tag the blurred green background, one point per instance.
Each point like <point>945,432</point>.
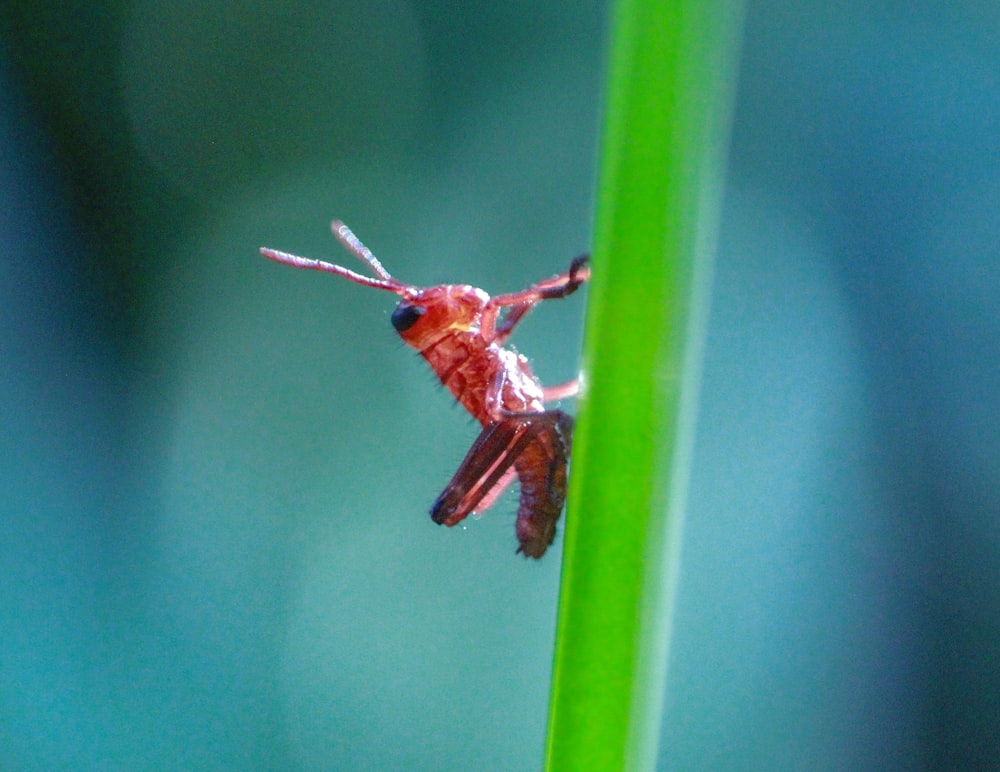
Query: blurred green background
<point>216,471</point>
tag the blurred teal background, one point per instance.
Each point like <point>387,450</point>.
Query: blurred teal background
<point>216,471</point>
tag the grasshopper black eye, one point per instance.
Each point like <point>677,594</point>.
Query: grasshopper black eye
<point>405,316</point>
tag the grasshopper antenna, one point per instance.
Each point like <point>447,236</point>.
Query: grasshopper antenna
<point>353,245</point>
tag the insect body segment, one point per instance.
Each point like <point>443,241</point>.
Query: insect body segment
<point>460,331</point>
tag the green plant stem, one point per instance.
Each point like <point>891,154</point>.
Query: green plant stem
<point>670,92</point>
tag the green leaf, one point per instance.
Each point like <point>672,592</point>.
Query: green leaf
<point>670,95</point>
